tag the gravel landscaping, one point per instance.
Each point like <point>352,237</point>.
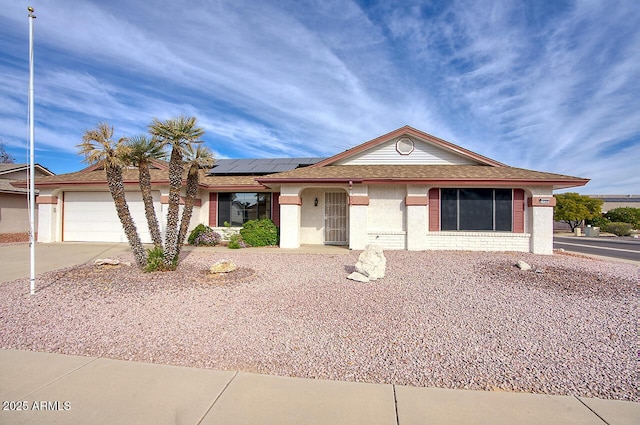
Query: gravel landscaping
<point>443,319</point>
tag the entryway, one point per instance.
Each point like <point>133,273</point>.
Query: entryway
<point>335,218</point>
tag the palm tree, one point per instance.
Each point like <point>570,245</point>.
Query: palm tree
<point>178,133</point>
<point>141,151</point>
<point>97,146</point>
<point>196,158</point>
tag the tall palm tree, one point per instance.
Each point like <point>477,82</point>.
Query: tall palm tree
<point>196,158</point>
<point>141,151</point>
<point>97,146</point>
<point>178,133</point>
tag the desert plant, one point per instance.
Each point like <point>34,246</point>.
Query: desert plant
<point>156,263</point>
<point>177,133</point>
<point>200,228</point>
<point>98,146</point>
<point>619,229</point>
<point>236,242</point>
<point>208,238</point>
<point>261,232</point>
<point>196,158</point>
<point>141,152</point>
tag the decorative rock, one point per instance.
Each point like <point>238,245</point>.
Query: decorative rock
<point>523,266</point>
<point>223,266</point>
<point>358,277</point>
<point>110,262</point>
<point>372,263</point>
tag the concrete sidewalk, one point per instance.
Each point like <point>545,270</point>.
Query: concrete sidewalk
<point>39,388</point>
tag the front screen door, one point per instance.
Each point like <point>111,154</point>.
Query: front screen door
<point>335,218</point>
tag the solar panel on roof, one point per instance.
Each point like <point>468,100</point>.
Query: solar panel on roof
<point>260,165</point>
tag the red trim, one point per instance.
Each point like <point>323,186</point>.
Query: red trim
<point>416,201</point>
<point>541,201</point>
<point>434,210</point>
<point>213,209</point>
<point>52,200</point>
<point>290,200</point>
<point>407,130</point>
<point>557,184</point>
<point>518,211</point>
<point>275,208</point>
<point>358,200</point>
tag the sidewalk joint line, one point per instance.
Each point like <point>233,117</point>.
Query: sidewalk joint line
<point>93,359</point>
<point>395,403</point>
<point>592,411</point>
<point>217,398</point>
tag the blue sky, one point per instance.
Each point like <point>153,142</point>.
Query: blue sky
<point>546,85</point>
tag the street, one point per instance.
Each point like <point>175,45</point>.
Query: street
<point>603,246</point>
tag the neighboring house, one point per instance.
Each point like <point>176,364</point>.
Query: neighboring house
<point>14,201</point>
<point>404,190</point>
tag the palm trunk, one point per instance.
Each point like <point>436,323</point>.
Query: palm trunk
<point>116,187</point>
<point>176,168</point>
<point>147,198</point>
<point>192,190</point>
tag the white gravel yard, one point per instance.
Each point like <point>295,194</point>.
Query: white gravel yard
<point>443,319</point>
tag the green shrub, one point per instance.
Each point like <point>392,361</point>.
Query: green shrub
<point>625,215</point>
<point>155,261</point>
<point>600,222</point>
<point>260,232</point>
<point>619,229</point>
<point>236,242</point>
<point>200,228</point>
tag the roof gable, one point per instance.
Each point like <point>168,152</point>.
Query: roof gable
<point>21,171</point>
<point>408,146</point>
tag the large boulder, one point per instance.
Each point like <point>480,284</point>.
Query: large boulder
<point>358,277</point>
<point>223,266</point>
<point>372,263</point>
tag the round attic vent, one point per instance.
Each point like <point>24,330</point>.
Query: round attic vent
<point>404,146</point>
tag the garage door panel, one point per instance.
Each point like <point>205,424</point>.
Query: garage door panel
<point>92,217</point>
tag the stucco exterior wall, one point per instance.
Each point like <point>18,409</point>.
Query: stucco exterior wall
<point>358,218</point>
<point>386,220</point>
<point>312,217</point>
<point>14,213</point>
<point>540,221</point>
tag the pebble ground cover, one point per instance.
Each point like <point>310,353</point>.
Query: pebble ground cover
<point>443,319</point>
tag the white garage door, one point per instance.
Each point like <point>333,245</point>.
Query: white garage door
<point>92,217</point>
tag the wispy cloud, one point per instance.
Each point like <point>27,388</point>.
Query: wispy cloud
<point>542,85</point>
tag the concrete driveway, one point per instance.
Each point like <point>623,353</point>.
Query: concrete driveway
<point>15,258</point>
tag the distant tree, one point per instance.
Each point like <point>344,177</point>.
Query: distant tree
<point>573,208</point>
<point>97,146</point>
<point>625,215</point>
<point>5,157</point>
